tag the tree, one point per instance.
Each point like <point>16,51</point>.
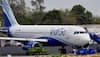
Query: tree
<point>1,14</point>
<point>52,17</point>
<point>64,16</point>
<point>37,17</point>
<point>78,9</point>
<point>18,6</point>
<point>96,20</point>
<point>38,4</point>
<point>25,20</point>
<point>82,17</point>
<point>89,17</point>
<point>71,19</point>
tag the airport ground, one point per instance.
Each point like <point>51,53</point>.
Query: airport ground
<point>94,55</point>
<point>51,51</point>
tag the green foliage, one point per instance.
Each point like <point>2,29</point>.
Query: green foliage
<point>71,19</point>
<point>22,19</point>
<point>37,51</point>
<point>96,20</point>
<point>78,9</point>
<point>88,17</point>
<point>52,17</point>
<point>37,17</point>
<point>1,14</point>
<point>80,15</point>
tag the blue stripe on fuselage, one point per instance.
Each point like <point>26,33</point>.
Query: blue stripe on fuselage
<point>52,42</point>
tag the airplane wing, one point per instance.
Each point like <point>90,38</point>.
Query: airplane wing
<point>23,39</point>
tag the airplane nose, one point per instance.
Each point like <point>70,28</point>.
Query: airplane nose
<point>86,39</point>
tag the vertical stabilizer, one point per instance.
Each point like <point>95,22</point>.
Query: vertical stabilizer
<point>9,18</point>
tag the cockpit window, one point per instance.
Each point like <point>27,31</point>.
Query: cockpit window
<point>80,32</point>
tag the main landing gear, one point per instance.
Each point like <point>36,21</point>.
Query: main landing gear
<point>62,50</point>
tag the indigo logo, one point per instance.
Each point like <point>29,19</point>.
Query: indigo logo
<point>58,32</point>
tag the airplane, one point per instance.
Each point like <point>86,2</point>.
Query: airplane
<point>52,35</point>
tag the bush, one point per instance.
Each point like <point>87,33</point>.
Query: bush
<point>37,51</point>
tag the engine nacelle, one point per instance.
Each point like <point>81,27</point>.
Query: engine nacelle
<point>28,45</point>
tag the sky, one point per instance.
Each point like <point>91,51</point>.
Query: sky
<point>90,5</point>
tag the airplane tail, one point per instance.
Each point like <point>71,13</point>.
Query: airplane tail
<point>9,18</point>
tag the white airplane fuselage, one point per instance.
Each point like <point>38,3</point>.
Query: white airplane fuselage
<point>66,34</point>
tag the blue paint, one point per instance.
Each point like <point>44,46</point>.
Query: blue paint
<point>6,14</point>
<point>95,37</point>
<point>85,51</point>
<point>6,30</point>
<point>28,45</point>
<point>52,42</point>
<point>9,33</point>
<point>6,21</point>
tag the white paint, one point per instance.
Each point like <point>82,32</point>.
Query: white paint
<point>9,55</point>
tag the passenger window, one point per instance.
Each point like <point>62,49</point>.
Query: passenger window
<point>76,32</point>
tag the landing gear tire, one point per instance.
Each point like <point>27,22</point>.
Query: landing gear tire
<point>62,50</point>
<point>85,46</point>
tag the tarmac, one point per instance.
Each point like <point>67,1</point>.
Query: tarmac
<point>52,50</point>
<point>19,50</point>
<point>93,55</point>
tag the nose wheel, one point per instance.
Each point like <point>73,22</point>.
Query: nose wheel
<point>87,45</point>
